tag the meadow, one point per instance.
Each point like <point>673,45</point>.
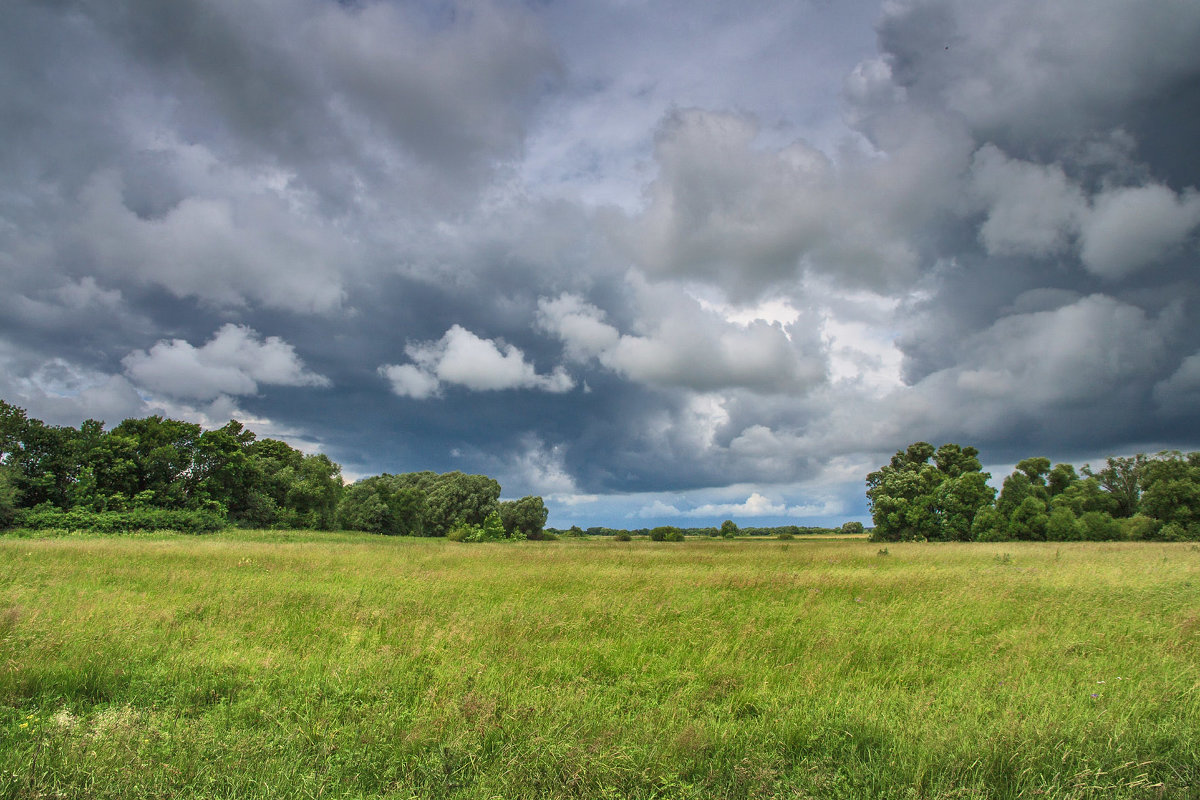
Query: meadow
<point>277,664</point>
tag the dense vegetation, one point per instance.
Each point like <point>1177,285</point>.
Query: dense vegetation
<point>943,494</point>
<point>275,664</point>
<point>162,473</point>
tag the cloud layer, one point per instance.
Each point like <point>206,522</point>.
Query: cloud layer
<point>654,273</point>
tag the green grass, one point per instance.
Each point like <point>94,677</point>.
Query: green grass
<point>267,664</point>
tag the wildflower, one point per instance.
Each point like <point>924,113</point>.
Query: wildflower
<point>1095,695</point>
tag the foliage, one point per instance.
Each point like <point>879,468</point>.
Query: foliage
<point>729,529</point>
<point>9,496</point>
<point>1138,497</point>
<point>666,533</point>
<point>492,530</point>
<point>524,518</point>
<point>47,517</point>
<point>226,473</point>
<point>914,499</point>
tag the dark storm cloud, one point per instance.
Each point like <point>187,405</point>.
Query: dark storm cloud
<point>717,266</point>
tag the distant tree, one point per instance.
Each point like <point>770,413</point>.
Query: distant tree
<point>524,518</point>
<point>458,499</point>
<point>9,497</point>
<point>1061,478</point>
<point>729,529</point>
<point>1171,493</point>
<point>12,430</point>
<point>852,528</point>
<point>1063,526</point>
<point>911,498</point>
<point>1121,478</point>
<point>666,533</point>
<point>957,502</point>
<point>1029,520</point>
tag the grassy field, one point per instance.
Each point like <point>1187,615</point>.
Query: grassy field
<point>264,664</point>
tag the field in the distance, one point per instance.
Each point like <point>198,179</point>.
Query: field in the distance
<point>254,665</point>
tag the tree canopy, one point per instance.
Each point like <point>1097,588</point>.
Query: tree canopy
<point>943,494</point>
<point>229,474</point>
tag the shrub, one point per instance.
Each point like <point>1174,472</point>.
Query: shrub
<point>47,517</point>
<point>1139,528</point>
<point>623,536</point>
<point>674,535</point>
<point>1100,527</point>
<point>785,536</point>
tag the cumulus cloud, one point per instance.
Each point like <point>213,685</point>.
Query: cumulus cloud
<point>234,362</point>
<point>685,345</point>
<point>223,249</point>
<point>461,358</point>
<point>747,217</point>
<point>1032,209</point>
<point>1026,73</point>
<point>1131,228</point>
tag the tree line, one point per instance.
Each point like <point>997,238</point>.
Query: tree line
<point>943,494</point>
<point>163,473</point>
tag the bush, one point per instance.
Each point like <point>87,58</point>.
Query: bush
<point>661,534</point>
<point>1139,528</point>
<point>492,530</point>
<point>46,517</point>
<point>623,536</point>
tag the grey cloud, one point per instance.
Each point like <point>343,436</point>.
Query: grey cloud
<point>1130,228</point>
<point>221,249</point>
<point>309,82</point>
<point>728,211</point>
<point>235,361</point>
<point>1032,209</point>
<point>680,344</point>
<point>1029,74</point>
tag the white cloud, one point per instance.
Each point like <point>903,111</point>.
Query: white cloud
<point>234,362</point>
<point>657,510</point>
<point>756,505</point>
<point>1032,209</point>
<point>1131,228</point>
<point>409,380</point>
<point>683,344</point>
<point>461,358</point>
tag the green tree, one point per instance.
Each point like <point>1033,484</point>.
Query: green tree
<point>1121,478</point>
<point>1063,525</point>
<point>1171,493</point>
<point>458,499</point>
<point>9,497</point>
<point>524,518</point>
<point>913,499</point>
<point>957,502</point>
<point>163,452</point>
<point>1029,520</point>
<point>729,529</point>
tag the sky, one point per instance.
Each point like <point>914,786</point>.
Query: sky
<point>657,262</point>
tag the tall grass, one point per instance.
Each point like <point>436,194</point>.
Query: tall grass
<point>266,664</point>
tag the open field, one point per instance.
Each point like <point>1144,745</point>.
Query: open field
<point>266,664</point>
